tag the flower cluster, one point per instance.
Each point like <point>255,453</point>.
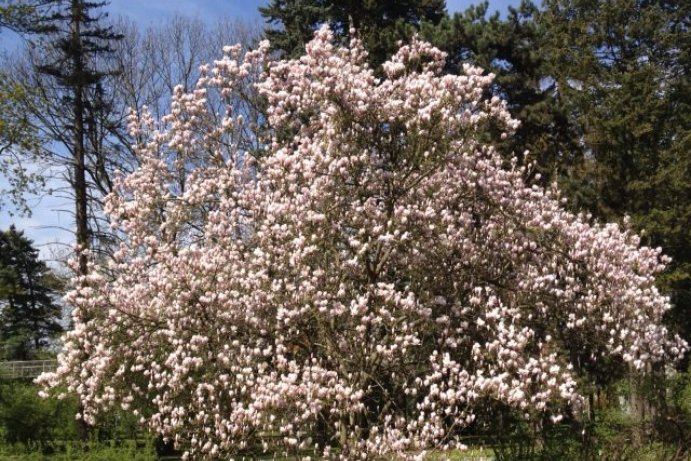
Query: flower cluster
<point>356,284</point>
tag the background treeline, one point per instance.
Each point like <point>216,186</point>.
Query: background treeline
<point>602,90</point>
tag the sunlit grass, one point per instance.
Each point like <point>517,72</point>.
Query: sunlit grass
<point>470,454</point>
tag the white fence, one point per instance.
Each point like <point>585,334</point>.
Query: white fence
<point>26,369</point>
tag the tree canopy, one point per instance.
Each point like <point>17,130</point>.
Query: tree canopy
<point>622,69</point>
<point>602,91</point>
<point>379,23</point>
<point>20,142</point>
<point>364,286</point>
<point>29,311</point>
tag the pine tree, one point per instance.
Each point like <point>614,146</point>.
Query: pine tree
<point>297,20</point>
<point>79,38</point>
<point>623,70</point>
<point>379,23</point>
<point>29,313</point>
<point>510,48</point>
<point>604,97</point>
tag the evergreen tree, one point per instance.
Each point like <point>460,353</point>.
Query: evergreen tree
<point>79,38</point>
<point>603,94</point>
<point>379,23</point>
<point>297,21</point>
<point>622,68</point>
<point>29,314</point>
<point>510,49</point>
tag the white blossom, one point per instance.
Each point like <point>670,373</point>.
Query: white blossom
<point>358,287</point>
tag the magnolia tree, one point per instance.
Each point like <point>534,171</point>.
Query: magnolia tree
<point>353,281</point>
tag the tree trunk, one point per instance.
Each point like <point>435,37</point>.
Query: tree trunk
<point>80,192</point>
<point>79,184</point>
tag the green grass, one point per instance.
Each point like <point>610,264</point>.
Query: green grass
<point>471,454</point>
<point>133,451</point>
<point>128,450</point>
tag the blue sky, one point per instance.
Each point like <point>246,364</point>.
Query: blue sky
<point>152,11</point>
<point>51,223</point>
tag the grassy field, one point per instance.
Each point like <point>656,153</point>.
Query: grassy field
<point>76,451</point>
<point>131,451</point>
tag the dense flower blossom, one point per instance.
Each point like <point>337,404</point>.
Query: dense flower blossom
<point>354,281</point>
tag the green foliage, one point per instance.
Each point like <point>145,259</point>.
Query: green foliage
<point>379,23</point>
<point>621,68</point>
<point>36,428</point>
<point>24,16</point>
<point>29,313</point>
<point>27,419</point>
<point>126,450</point>
<point>77,453</point>
<point>604,96</point>
<point>614,431</point>
<point>297,20</point>
<point>681,392</point>
<point>552,444</point>
<point>510,48</point>
<point>20,143</point>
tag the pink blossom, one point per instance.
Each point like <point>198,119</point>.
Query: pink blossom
<point>358,271</point>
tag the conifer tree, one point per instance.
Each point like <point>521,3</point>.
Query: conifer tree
<point>29,313</point>
<point>380,23</point>
<point>602,90</point>
<point>78,39</point>
<point>510,48</point>
<point>622,68</point>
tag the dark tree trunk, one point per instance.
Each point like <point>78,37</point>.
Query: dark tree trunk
<point>80,192</point>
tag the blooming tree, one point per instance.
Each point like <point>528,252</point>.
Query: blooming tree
<point>357,281</point>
